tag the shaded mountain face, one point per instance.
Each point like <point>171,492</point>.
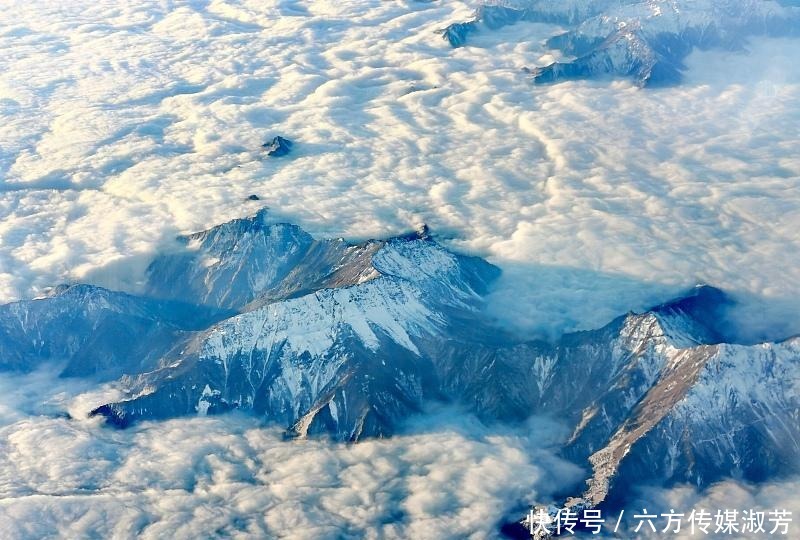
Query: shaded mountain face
<point>95,332</point>
<point>248,260</point>
<point>645,40</point>
<point>348,340</point>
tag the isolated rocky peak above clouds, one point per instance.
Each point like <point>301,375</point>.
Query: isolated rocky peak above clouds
<point>350,340</point>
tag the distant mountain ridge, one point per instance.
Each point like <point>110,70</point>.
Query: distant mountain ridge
<point>350,339</point>
<point>645,40</point>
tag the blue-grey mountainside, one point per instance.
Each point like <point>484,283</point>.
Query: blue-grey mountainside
<point>350,339</point>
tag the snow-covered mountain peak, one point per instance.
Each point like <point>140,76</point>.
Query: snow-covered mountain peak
<point>694,318</point>
<point>250,262</point>
<point>687,321</point>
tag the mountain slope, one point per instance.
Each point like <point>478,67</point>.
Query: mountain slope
<point>93,331</point>
<point>345,360</point>
<point>252,259</point>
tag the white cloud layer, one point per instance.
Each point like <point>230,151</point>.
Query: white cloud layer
<point>121,126</point>
<point>229,476</point>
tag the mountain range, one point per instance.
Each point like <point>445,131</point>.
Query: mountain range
<point>351,339</point>
<point>645,40</point>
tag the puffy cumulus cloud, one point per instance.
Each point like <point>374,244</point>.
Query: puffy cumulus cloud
<point>228,476</point>
<point>122,125</point>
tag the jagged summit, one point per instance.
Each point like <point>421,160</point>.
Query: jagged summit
<point>456,33</point>
<point>701,302</point>
<point>251,261</point>
<point>423,232</point>
<point>696,316</point>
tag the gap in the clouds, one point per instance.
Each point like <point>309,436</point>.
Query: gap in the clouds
<point>126,274</point>
<point>517,36</point>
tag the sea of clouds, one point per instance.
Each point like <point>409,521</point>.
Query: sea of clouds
<point>447,476</point>
<point>123,125</point>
